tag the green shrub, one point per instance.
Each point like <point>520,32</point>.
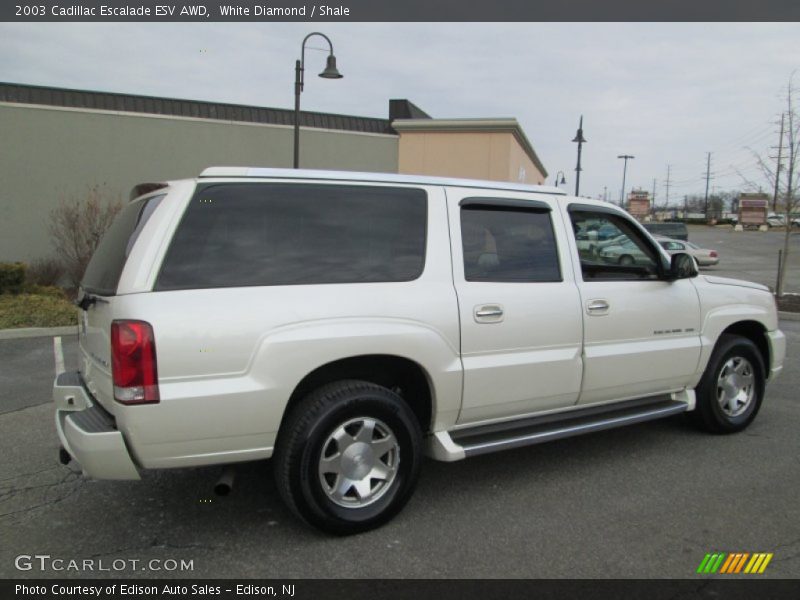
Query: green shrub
<point>12,277</point>
<point>45,290</point>
<point>29,310</point>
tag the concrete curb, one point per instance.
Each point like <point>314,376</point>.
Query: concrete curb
<point>32,332</point>
<point>788,316</point>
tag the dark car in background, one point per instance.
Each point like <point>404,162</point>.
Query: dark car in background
<point>676,231</point>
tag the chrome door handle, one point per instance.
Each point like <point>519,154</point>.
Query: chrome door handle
<point>488,313</point>
<point>597,306</point>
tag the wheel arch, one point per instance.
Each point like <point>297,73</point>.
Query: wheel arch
<point>404,376</point>
<point>756,333</point>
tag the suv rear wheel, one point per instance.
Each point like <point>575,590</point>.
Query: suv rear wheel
<point>732,387</point>
<point>348,457</point>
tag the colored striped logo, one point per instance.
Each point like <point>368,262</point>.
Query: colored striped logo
<point>735,563</point>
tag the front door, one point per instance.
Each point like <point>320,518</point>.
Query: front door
<point>641,332</point>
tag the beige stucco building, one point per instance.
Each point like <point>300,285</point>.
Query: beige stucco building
<point>493,149</point>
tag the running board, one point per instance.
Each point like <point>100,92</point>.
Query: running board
<point>455,445</point>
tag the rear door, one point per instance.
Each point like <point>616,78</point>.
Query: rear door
<point>98,290</point>
<point>520,313</point>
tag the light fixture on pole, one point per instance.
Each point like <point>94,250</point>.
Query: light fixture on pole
<point>626,157</point>
<point>580,141</point>
<point>562,182</point>
<point>330,72</point>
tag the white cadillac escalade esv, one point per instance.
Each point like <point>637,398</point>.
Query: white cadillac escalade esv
<point>345,324</point>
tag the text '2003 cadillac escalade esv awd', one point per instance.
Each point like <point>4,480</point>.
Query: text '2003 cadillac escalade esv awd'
<point>346,324</point>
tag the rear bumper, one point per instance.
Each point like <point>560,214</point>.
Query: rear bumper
<point>89,433</point>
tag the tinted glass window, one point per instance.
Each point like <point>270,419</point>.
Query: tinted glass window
<point>104,269</point>
<point>508,245</point>
<point>611,247</point>
<point>250,234</point>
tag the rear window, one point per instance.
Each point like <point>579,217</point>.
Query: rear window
<point>104,269</point>
<point>251,234</point>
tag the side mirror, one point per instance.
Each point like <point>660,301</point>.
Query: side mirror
<point>682,266</point>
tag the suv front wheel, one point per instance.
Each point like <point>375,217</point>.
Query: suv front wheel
<point>348,457</point>
<point>732,387</point>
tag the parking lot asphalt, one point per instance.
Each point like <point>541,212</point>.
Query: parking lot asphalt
<point>751,255</point>
<point>643,501</point>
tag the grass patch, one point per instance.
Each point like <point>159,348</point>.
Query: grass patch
<point>36,310</point>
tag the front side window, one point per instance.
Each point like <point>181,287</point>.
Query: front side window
<point>611,247</point>
<point>254,234</point>
<point>506,245</point>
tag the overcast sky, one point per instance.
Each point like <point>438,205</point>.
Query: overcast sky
<point>665,93</point>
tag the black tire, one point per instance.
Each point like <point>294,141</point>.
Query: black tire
<point>710,414</point>
<point>307,437</point>
<point>626,260</point>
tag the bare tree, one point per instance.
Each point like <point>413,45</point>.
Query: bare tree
<point>784,174</point>
<point>77,225</point>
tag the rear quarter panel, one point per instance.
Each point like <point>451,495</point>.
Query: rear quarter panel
<point>230,358</point>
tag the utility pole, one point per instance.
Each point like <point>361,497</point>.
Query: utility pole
<point>778,168</point>
<point>605,193</point>
<point>626,158</point>
<point>708,177</point>
<point>654,191</point>
<point>666,202</point>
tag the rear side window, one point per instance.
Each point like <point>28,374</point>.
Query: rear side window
<point>507,245</point>
<point>251,234</point>
<point>104,269</point>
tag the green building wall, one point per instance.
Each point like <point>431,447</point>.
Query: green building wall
<point>48,154</point>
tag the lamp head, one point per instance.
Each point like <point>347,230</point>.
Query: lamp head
<point>331,72</point>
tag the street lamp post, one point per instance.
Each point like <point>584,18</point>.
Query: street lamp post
<point>563,181</point>
<point>330,72</point>
<point>626,157</point>
<point>581,141</point>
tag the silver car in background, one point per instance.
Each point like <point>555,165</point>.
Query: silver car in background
<point>704,256</point>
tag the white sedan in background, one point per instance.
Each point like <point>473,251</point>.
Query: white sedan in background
<point>703,256</point>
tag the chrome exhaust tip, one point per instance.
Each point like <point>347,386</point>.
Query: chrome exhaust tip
<point>224,484</point>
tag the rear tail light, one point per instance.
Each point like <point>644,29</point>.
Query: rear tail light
<point>713,254</point>
<point>133,362</point>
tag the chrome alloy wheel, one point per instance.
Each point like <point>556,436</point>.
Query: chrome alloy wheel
<point>358,463</point>
<point>735,386</point>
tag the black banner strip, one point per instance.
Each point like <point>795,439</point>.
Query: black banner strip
<point>383,589</point>
<point>400,10</point>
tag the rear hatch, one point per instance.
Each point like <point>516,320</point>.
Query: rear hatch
<point>98,293</point>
